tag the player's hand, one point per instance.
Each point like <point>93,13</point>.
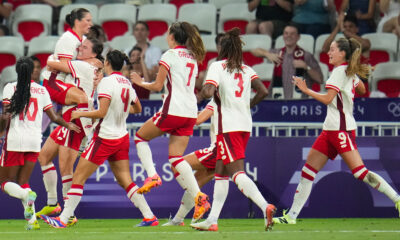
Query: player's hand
<point>75,115</point>
<point>300,83</point>
<point>74,127</point>
<point>136,79</point>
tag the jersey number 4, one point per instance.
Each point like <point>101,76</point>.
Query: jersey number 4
<point>125,98</point>
<point>30,115</point>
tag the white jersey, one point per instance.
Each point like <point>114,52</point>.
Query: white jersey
<point>340,111</point>
<point>25,130</point>
<point>179,99</point>
<point>213,122</point>
<point>66,47</point>
<point>119,90</point>
<point>232,96</point>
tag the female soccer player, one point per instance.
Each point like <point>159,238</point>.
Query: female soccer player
<point>178,70</point>
<point>111,141</point>
<point>338,135</point>
<point>62,141</point>
<point>230,82</point>
<point>24,101</point>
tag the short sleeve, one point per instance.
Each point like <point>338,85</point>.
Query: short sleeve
<point>211,105</point>
<point>65,48</point>
<point>356,80</point>
<point>335,81</point>
<point>104,90</point>
<point>8,92</point>
<point>213,74</point>
<point>46,100</point>
<point>134,96</point>
<point>253,75</point>
<point>79,69</point>
<point>167,59</point>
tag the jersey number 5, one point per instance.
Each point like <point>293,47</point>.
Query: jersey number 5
<point>191,66</point>
<point>125,98</point>
<point>31,116</point>
<point>238,93</point>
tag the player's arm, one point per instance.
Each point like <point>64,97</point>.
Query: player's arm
<point>61,66</point>
<point>60,121</point>
<point>325,98</point>
<point>208,90</point>
<point>261,92</point>
<point>360,88</point>
<point>99,113</point>
<point>157,85</point>
<point>4,118</point>
<point>136,107</point>
<point>204,116</point>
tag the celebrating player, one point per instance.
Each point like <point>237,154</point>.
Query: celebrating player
<point>230,82</point>
<point>117,99</point>
<point>25,101</point>
<point>338,135</point>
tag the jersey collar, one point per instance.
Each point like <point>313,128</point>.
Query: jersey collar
<point>75,34</point>
<point>118,73</point>
<point>179,46</point>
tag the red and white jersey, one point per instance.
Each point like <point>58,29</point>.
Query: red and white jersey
<point>213,121</point>
<point>24,133</point>
<point>179,99</point>
<point>119,90</point>
<point>340,111</point>
<point>232,96</point>
<point>66,47</point>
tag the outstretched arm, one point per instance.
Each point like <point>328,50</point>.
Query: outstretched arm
<point>325,98</point>
<point>99,113</point>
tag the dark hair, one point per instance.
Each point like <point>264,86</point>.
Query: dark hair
<point>143,23</point>
<point>97,31</point>
<point>135,48</point>
<point>351,18</point>
<point>34,58</point>
<point>97,48</point>
<point>353,51</point>
<point>218,38</point>
<point>22,94</point>
<point>76,14</point>
<point>293,25</point>
<point>5,29</point>
<point>231,49</point>
<point>117,58</point>
<point>185,34</point>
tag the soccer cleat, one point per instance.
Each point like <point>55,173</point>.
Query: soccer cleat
<point>201,205</point>
<point>172,222</point>
<point>72,221</point>
<point>398,206</point>
<point>285,219</point>
<point>148,222</point>
<point>54,222</point>
<point>49,210</point>
<point>33,226</point>
<point>149,183</point>
<point>205,226</point>
<point>270,212</point>
<point>29,209</point>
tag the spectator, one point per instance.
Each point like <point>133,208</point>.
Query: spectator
<point>390,10</point>
<point>289,61</point>
<point>4,31</point>
<point>348,25</point>
<point>312,16</point>
<point>271,16</point>
<point>36,69</point>
<point>5,11</point>
<point>151,53</point>
<point>137,64</point>
<point>364,11</point>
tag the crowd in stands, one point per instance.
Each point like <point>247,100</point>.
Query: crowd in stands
<point>286,24</point>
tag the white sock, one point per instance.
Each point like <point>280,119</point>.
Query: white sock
<point>186,172</point>
<point>250,190</point>
<point>376,181</point>
<point>145,156</point>
<point>66,185</point>
<point>50,183</point>
<point>139,201</point>
<point>180,180</point>
<point>187,203</point>
<point>74,197</point>
<point>14,190</point>
<point>303,190</point>
<point>221,188</point>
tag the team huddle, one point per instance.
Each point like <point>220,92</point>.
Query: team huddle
<point>77,70</point>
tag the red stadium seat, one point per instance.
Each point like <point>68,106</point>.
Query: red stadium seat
<point>203,15</point>
<point>117,19</point>
<point>235,15</point>
<point>11,48</point>
<point>386,78</point>
<point>158,17</point>
<point>253,41</point>
<point>66,9</point>
<point>42,47</point>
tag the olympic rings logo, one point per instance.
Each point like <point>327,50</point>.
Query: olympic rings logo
<point>394,108</point>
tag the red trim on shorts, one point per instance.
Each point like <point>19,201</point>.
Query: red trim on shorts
<point>311,168</point>
<point>49,169</point>
<point>307,176</point>
<point>357,169</point>
<point>132,185</point>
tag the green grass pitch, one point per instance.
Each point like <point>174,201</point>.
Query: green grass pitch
<point>229,229</point>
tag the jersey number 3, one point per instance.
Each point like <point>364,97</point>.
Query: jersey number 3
<point>238,93</point>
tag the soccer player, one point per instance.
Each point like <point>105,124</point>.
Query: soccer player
<point>230,82</point>
<point>178,70</point>
<point>63,142</point>
<point>117,99</point>
<point>24,102</point>
<point>338,135</point>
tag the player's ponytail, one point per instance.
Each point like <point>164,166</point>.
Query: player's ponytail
<point>76,14</point>
<point>22,94</point>
<point>231,49</point>
<point>185,34</point>
<point>117,58</point>
<point>353,51</point>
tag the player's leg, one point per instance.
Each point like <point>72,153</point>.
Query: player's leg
<point>75,96</point>
<point>66,159</point>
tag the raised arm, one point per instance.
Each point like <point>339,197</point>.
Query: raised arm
<point>157,85</point>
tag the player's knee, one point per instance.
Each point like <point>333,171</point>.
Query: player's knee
<point>360,172</point>
<point>139,139</point>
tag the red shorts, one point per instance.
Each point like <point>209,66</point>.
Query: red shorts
<point>99,150</point>
<point>207,156</point>
<point>10,158</point>
<point>57,90</point>
<point>332,143</point>
<point>231,146</point>
<point>174,125</point>
<point>64,137</point>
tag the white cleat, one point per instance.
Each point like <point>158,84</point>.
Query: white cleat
<point>205,226</point>
<point>172,222</point>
